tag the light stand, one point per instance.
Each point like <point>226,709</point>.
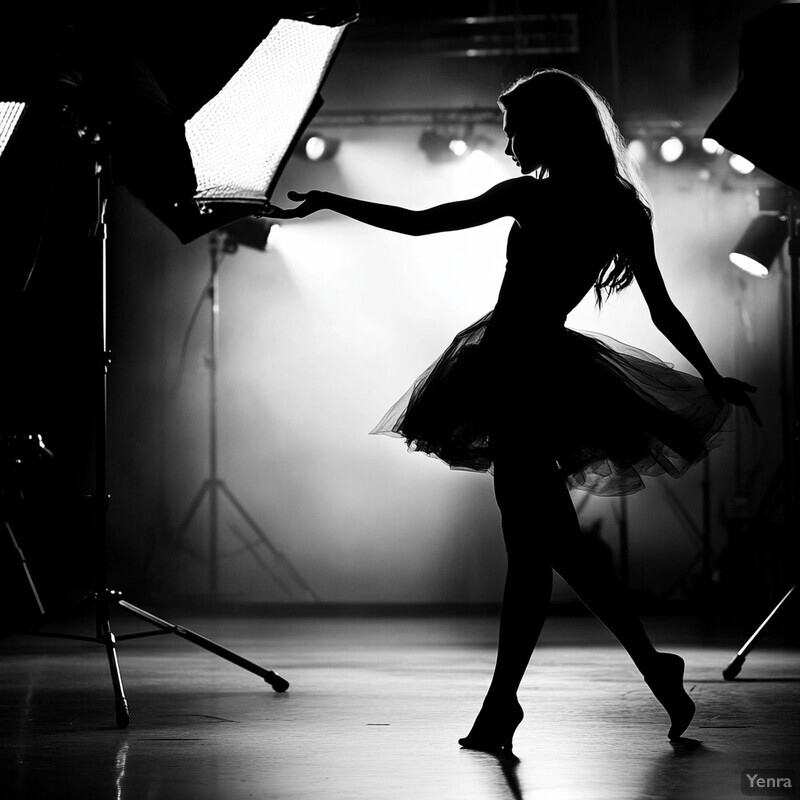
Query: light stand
<point>792,466</point>
<point>180,145</point>
<point>213,487</point>
<point>17,453</point>
<point>702,532</point>
<point>101,597</point>
<point>756,123</point>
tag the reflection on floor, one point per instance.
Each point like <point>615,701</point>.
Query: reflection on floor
<point>374,711</point>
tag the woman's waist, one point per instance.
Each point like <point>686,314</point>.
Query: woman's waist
<point>511,324</point>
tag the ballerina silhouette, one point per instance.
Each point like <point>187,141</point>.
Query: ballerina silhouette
<point>544,408</point>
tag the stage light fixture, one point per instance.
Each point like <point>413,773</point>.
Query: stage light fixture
<point>316,147</point>
<point>740,164</point>
<point>671,149</point>
<point>711,146</point>
<point>637,150</point>
<point>458,147</point>
<point>760,244</point>
<point>447,145</point>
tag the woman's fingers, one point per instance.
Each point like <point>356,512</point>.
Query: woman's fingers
<point>303,210</point>
<point>274,212</point>
<point>740,397</point>
<point>736,392</point>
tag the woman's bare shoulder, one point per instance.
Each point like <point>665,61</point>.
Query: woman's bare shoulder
<point>528,195</point>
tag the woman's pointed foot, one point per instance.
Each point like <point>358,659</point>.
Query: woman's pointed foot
<point>665,679</point>
<point>494,728</point>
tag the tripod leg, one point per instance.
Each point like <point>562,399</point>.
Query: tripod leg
<point>278,683</point>
<point>120,703</point>
<point>21,556</point>
<point>735,667</point>
<point>281,558</point>
<point>193,507</point>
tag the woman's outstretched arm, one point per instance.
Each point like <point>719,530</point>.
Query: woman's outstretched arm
<point>503,200</point>
<point>671,322</point>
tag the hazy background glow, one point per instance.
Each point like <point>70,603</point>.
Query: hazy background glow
<point>324,331</point>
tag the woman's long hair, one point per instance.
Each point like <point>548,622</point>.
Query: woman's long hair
<point>576,124</point>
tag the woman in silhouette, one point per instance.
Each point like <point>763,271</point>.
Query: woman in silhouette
<point>542,407</point>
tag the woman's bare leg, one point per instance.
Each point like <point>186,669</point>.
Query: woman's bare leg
<point>575,558</point>
<point>526,600</point>
<point>529,577</point>
<point>542,533</point>
<point>578,559</point>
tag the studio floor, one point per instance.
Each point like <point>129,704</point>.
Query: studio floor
<point>375,709</point>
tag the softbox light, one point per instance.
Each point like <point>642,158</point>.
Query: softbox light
<point>10,115</point>
<point>200,115</point>
<point>759,121</point>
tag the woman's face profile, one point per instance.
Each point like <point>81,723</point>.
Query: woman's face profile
<point>522,146</point>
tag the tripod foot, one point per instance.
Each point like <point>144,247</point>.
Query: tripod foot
<point>276,682</point>
<point>734,668</point>
<point>121,712</point>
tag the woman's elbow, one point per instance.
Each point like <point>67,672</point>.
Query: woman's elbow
<point>412,224</point>
<point>419,224</point>
<point>666,318</point>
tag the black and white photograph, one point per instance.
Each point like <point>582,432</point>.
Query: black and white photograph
<point>400,401</point>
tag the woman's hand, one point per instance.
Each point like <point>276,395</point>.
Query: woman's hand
<point>734,391</point>
<point>310,202</point>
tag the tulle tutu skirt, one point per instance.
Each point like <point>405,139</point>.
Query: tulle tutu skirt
<point>608,413</point>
